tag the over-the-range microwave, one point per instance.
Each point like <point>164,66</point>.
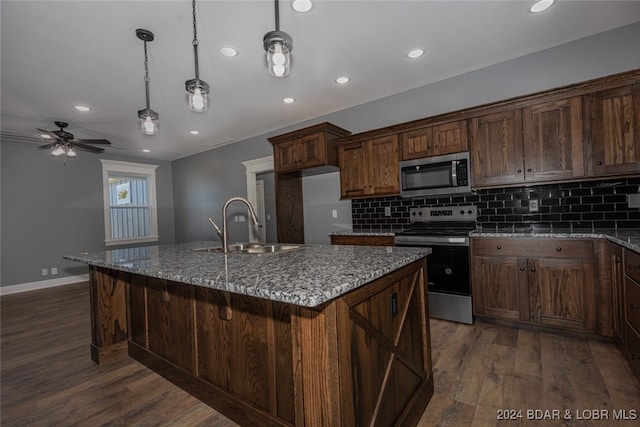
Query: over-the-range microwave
<point>447,174</point>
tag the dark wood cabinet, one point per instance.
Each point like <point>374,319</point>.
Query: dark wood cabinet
<point>553,140</point>
<point>536,281</point>
<point>611,278</point>
<point>615,130</point>
<point>631,310</point>
<point>307,148</point>
<point>540,142</point>
<point>369,168</point>
<point>362,240</point>
<point>434,140</point>
<point>496,148</point>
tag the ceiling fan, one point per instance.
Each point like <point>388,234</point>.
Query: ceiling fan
<point>65,144</point>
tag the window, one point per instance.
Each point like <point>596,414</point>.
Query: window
<point>130,210</point>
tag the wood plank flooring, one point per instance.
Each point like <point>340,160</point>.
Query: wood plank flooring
<point>48,379</point>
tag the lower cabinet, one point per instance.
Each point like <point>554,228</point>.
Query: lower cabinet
<point>536,281</point>
<point>362,240</point>
<point>631,311</point>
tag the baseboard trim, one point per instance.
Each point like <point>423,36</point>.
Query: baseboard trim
<point>42,284</point>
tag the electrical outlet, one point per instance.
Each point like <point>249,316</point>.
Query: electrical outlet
<point>534,205</point>
<point>633,200</point>
<point>45,272</point>
<point>334,213</point>
<point>387,211</point>
<point>54,270</point>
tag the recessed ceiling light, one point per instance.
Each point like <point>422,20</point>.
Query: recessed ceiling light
<point>82,108</point>
<point>146,150</point>
<point>288,100</point>
<point>343,80</point>
<point>302,5</point>
<point>194,132</point>
<point>228,51</point>
<point>541,5</point>
<point>415,53</point>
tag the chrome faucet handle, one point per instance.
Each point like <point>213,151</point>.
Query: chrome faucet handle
<point>217,229</point>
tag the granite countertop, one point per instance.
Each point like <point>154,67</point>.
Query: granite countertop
<point>626,237</point>
<point>309,276</point>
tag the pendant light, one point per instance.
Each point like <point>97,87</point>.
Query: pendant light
<point>148,117</point>
<point>278,45</point>
<point>197,89</point>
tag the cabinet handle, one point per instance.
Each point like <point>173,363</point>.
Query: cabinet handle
<point>558,249</point>
<point>634,267</point>
<point>635,357</point>
<point>533,269</point>
<point>529,170</point>
<point>394,304</point>
<point>634,306</point>
<point>618,260</point>
<point>521,268</point>
<point>519,171</point>
<point>498,247</point>
<point>599,163</point>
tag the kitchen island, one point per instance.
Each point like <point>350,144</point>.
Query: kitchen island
<point>316,336</point>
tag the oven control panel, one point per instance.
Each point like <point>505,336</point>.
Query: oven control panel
<point>448,213</point>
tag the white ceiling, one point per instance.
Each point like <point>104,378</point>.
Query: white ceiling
<point>56,54</point>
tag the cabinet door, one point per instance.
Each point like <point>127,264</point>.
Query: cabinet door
<point>384,162</point>
<point>616,130</point>
<point>562,293</point>
<point>285,156</point>
<point>496,155</point>
<point>417,143</point>
<point>500,287</point>
<point>354,172</point>
<point>553,135</point>
<point>450,138</point>
<point>312,150</point>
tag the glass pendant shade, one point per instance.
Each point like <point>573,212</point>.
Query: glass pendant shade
<point>148,121</point>
<point>278,45</point>
<point>71,152</point>
<point>197,93</point>
<point>57,150</point>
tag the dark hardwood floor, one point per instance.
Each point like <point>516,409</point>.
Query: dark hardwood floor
<point>48,379</point>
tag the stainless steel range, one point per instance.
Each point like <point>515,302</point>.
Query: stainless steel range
<point>446,231</point>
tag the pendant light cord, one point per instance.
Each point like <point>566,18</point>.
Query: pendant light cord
<point>195,40</point>
<point>277,15</point>
<point>146,73</point>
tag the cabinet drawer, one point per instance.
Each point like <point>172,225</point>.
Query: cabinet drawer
<point>632,302</point>
<point>632,351</point>
<point>632,265</point>
<point>533,248</point>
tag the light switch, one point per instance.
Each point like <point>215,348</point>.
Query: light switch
<point>334,213</point>
<point>633,200</point>
<point>387,211</point>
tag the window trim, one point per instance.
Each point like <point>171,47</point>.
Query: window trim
<point>133,169</point>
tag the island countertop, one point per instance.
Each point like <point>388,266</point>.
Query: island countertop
<point>308,276</point>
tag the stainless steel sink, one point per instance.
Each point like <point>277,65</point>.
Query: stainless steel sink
<point>250,248</point>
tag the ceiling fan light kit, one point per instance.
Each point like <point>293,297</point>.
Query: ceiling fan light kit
<point>65,145</point>
<point>278,45</point>
<point>148,117</point>
<point>197,90</point>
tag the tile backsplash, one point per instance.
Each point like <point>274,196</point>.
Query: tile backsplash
<point>577,205</point>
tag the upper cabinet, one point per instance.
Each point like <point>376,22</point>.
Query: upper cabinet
<point>307,148</point>
<point>370,168</point>
<point>540,142</point>
<point>615,130</point>
<point>430,141</point>
<point>496,154</point>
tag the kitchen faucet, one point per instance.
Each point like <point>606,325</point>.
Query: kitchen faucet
<point>224,233</point>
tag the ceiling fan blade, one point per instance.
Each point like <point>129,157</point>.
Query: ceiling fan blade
<point>51,134</point>
<point>42,147</point>
<point>91,141</point>
<point>88,148</point>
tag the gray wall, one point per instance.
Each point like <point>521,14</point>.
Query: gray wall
<point>269,205</point>
<point>321,197</point>
<point>50,209</point>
